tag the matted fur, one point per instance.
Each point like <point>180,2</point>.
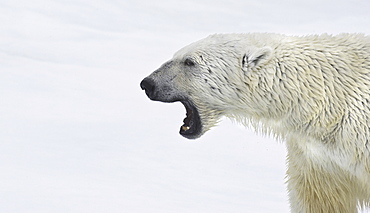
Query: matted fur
<point>312,92</point>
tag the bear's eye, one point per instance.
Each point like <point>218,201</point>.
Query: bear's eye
<point>189,62</point>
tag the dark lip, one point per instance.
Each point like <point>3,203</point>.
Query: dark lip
<point>192,120</point>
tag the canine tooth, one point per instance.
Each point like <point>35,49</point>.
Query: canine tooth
<point>185,128</point>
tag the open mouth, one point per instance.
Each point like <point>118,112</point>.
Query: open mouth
<point>191,128</point>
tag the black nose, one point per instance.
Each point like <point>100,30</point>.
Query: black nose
<point>148,85</point>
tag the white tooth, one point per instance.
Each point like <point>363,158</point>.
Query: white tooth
<point>185,128</point>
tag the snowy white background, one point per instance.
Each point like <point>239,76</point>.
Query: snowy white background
<point>77,134</point>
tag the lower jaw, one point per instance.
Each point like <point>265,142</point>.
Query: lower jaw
<point>190,133</point>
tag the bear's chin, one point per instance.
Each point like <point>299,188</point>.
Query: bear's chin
<point>192,127</point>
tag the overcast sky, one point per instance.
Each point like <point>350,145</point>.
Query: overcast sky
<point>77,134</point>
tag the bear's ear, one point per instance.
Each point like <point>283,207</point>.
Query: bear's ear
<point>257,57</point>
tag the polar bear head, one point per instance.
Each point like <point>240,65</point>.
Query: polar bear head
<point>213,77</point>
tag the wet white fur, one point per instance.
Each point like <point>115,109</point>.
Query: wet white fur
<point>312,92</point>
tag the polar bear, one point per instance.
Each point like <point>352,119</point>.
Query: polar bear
<point>311,91</point>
